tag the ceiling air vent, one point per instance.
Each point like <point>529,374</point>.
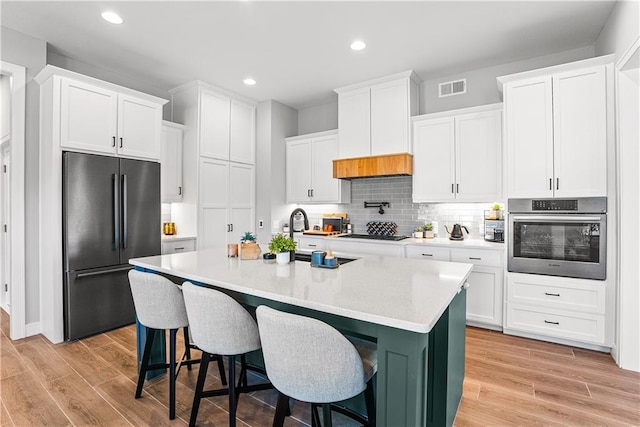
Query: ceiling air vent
<point>453,88</point>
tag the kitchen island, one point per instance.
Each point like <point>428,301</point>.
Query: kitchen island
<point>414,310</point>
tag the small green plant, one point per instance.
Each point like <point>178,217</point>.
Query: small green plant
<point>496,207</point>
<point>428,226</point>
<point>248,237</point>
<point>419,229</point>
<point>281,243</point>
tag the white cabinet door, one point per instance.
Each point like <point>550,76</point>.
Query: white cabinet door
<point>354,123</point>
<point>88,117</point>
<point>171,164</point>
<point>580,133</point>
<point>242,200</point>
<point>139,127</point>
<point>215,117</point>
<point>214,183</point>
<point>213,227</point>
<point>433,161</point>
<point>529,138</point>
<point>324,187</point>
<point>479,156</point>
<point>298,171</point>
<point>428,252</point>
<point>242,144</point>
<point>484,296</point>
<point>390,118</point>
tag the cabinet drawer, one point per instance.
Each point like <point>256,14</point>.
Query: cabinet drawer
<point>312,244</point>
<point>574,296</point>
<point>428,252</point>
<point>477,257</point>
<point>582,327</point>
<point>172,247</point>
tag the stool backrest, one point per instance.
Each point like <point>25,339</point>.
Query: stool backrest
<point>308,360</point>
<point>218,323</point>
<point>158,301</point>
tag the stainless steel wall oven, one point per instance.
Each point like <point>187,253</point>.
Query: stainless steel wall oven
<point>558,237</point>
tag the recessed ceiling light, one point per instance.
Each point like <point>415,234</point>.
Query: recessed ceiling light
<point>112,17</point>
<point>358,45</point>
<point>249,82</point>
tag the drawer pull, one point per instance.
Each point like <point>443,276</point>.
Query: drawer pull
<point>552,295</point>
<point>475,258</point>
<point>311,246</point>
<point>427,254</point>
<point>178,249</point>
<point>551,323</point>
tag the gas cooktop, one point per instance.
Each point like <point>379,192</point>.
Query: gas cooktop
<point>374,237</point>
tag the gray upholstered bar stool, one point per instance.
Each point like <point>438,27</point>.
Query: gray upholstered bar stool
<point>220,325</point>
<point>308,360</point>
<point>159,306</point>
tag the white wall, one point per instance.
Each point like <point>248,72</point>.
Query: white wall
<point>620,30</point>
<point>30,53</point>
<point>54,58</point>
<point>482,87</point>
<point>619,33</point>
<point>275,122</point>
<point>318,118</point>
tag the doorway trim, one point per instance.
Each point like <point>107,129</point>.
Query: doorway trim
<point>628,320</point>
<point>18,75</point>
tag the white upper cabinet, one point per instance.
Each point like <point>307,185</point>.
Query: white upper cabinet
<point>458,155</point>
<point>99,119</point>
<point>227,128</point>
<point>374,116</point>
<point>171,163</point>
<point>558,123</point>
<point>309,170</point>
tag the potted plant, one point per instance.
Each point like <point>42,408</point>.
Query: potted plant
<point>281,245</point>
<point>428,230</point>
<point>495,212</point>
<point>249,248</point>
<point>418,233</point>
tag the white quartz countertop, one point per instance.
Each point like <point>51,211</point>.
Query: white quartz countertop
<point>403,293</point>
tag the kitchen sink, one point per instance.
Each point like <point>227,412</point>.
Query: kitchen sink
<point>306,257</point>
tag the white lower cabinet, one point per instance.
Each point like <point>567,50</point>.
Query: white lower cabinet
<point>312,244</point>
<point>178,246</point>
<point>572,309</point>
<point>349,246</point>
<point>484,296</point>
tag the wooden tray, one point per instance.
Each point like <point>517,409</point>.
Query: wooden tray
<point>321,233</point>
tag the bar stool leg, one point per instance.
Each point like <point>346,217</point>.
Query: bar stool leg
<point>145,360</point>
<point>232,391</point>
<point>370,403</point>
<point>326,415</point>
<point>282,407</point>
<point>187,346</point>
<point>202,376</point>
<point>223,377</point>
<point>172,373</point>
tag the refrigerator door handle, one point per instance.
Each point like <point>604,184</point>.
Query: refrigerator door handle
<point>98,273</point>
<point>116,213</point>
<point>124,211</point>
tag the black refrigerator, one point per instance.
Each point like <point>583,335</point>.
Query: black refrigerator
<point>111,213</point>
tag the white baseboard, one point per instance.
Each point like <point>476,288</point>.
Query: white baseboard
<point>33,329</point>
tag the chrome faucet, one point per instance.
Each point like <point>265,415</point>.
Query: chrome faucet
<point>306,226</point>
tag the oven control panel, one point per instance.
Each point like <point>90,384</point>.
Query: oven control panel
<point>554,205</point>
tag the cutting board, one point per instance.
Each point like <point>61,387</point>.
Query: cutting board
<point>343,215</point>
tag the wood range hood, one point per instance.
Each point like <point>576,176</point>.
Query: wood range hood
<point>372,166</point>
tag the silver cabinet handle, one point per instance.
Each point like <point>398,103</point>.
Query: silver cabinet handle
<point>312,246</point>
<point>125,208</point>
<point>178,249</point>
<point>116,210</point>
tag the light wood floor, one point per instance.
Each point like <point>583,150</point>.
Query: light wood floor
<point>509,381</point>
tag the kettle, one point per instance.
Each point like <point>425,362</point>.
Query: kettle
<point>456,233</point>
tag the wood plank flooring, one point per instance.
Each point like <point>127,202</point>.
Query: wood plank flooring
<point>509,381</point>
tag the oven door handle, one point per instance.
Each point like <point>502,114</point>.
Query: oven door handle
<point>557,218</point>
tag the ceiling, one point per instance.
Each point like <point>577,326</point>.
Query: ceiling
<point>298,52</point>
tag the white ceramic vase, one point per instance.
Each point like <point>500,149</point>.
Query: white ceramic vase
<point>283,258</point>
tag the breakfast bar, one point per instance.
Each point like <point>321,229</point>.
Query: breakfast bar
<point>413,309</point>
